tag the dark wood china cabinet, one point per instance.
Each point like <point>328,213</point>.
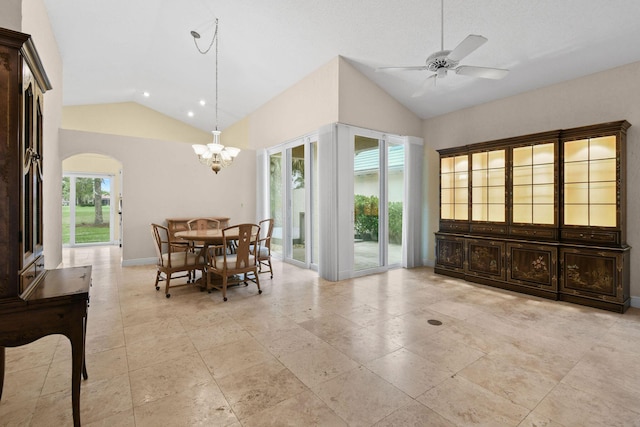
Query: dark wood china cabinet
<point>542,214</point>
<point>34,302</point>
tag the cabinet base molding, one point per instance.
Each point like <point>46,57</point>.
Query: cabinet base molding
<point>512,287</point>
<point>575,299</point>
<point>617,307</point>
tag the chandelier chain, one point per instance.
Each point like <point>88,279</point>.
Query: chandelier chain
<point>204,52</point>
<point>215,36</point>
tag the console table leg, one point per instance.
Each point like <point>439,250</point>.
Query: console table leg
<point>77,353</point>
<point>1,370</point>
<point>84,346</point>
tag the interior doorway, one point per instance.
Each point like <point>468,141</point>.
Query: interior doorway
<point>91,200</point>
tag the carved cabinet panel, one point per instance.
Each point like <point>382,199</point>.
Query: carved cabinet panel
<point>597,274</point>
<point>485,258</point>
<point>532,265</point>
<point>450,253</point>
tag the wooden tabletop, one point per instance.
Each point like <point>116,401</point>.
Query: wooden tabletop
<point>209,236</point>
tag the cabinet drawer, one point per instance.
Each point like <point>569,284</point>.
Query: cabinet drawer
<point>593,236</point>
<point>500,230</point>
<point>461,227</point>
<point>536,233</point>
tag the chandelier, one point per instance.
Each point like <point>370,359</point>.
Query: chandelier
<point>215,155</point>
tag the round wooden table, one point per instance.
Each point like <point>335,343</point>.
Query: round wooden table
<point>210,237</point>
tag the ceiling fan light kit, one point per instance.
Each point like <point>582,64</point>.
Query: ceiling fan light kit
<point>443,61</point>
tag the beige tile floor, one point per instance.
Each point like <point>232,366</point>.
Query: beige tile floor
<point>309,352</point>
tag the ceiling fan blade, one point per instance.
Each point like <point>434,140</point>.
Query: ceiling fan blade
<point>466,46</point>
<point>429,83</point>
<point>415,68</point>
<point>483,72</point>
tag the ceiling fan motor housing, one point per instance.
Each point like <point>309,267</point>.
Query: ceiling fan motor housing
<point>440,60</point>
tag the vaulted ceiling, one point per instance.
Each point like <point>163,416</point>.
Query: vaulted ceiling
<point>114,51</point>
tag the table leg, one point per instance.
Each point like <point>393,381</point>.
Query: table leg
<point>84,346</point>
<point>1,370</point>
<point>205,253</point>
<point>77,354</point>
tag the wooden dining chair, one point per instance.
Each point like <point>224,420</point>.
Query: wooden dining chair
<point>264,246</point>
<point>233,268</point>
<point>202,224</point>
<point>173,258</point>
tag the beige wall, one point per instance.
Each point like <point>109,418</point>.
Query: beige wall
<point>132,119</point>
<point>11,15</point>
<point>365,104</point>
<point>236,135</point>
<point>36,22</point>
<point>336,92</point>
<point>301,109</point>
<point>607,96</point>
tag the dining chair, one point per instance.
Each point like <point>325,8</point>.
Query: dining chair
<point>264,245</point>
<point>174,258</point>
<point>233,267</point>
<point>202,224</point>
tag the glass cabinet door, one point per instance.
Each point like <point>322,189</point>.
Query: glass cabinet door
<point>534,184</point>
<point>488,186</point>
<point>590,193</point>
<point>454,188</point>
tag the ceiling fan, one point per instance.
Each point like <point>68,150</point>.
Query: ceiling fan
<point>448,60</point>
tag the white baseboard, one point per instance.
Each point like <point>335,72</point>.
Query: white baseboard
<point>635,302</point>
<point>139,261</point>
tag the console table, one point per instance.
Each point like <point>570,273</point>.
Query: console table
<point>57,305</point>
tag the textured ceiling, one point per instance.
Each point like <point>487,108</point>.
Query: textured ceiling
<point>115,50</point>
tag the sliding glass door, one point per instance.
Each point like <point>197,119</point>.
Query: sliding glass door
<point>366,203</point>
<point>395,200</point>
<point>298,201</point>
<point>275,202</point>
<point>378,186</point>
<point>293,172</point>
<point>343,200</point>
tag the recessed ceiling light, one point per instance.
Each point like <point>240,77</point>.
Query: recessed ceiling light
<point>190,113</point>
<point>202,102</point>
<point>146,94</point>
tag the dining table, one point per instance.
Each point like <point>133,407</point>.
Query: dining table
<point>209,237</point>
<point>206,238</point>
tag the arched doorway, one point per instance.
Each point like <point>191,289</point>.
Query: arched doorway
<point>91,200</point>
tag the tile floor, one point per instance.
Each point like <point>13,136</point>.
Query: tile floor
<point>309,352</point>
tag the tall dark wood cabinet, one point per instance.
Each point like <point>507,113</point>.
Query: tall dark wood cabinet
<point>34,302</point>
<point>542,214</point>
